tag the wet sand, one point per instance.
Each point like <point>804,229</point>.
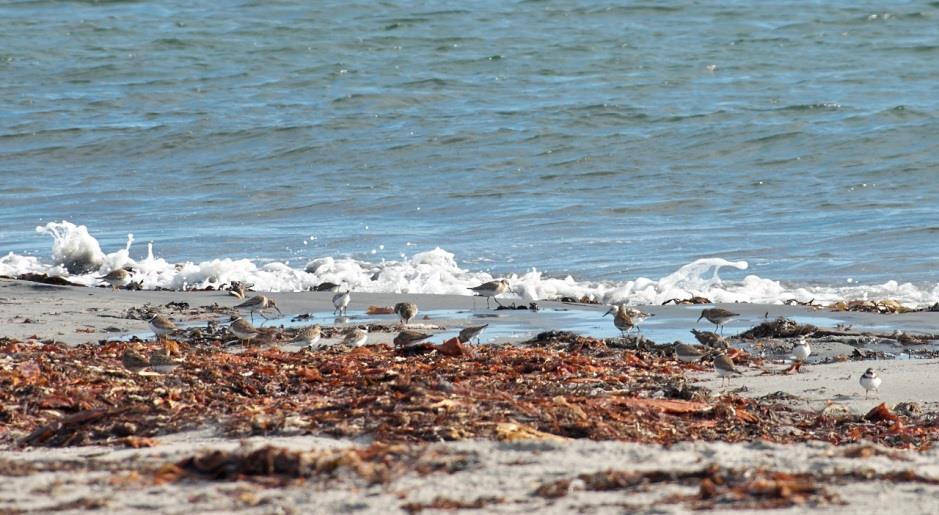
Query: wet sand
<point>509,471</point>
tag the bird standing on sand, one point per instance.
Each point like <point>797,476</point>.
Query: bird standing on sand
<point>407,338</point>
<point>308,336</point>
<point>621,318</point>
<point>725,368</point>
<point>870,381</point>
<point>801,350</point>
<point>709,339</point>
<point>117,278</point>
<point>243,330</point>
<point>161,326</point>
<point>468,333</point>
<point>341,302</point>
<point>160,361</point>
<point>356,338</point>
<point>134,361</point>
<point>258,303</point>
<point>491,289</point>
<point>718,317</point>
<point>688,353</point>
<point>406,310</point>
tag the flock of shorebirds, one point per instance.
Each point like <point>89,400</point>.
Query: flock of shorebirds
<point>624,318</point>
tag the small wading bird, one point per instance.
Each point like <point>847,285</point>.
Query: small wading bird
<point>406,338</point>
<point>308,336</point>
<point>341,302</point>
<point>725,368</point>
<point>801,350</point>
<point>117,278</point>
<point>161,326</point>
<point>709,339</point>
<point>468,333</point>
<point>160,361</point>
<point>243,330</point>
<point>688,353</point>
<point>637,316</point>
<point>718,317</point>
<point>134,360</point>
<point>258,303</point>
<point>356,338</point>
<point>621,318</point>
<point>870,381</point>
<point>406,310</point>
<point>491,289</point>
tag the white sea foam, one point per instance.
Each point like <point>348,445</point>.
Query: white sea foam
<point>77,256</point>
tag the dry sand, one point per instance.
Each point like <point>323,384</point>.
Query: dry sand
<point>511,471</point>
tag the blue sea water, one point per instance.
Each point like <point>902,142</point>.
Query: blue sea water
<point>608,141</point>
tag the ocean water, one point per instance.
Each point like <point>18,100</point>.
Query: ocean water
<point>622,150</point>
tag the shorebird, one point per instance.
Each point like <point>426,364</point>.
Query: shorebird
<point>258,303</point>
<point>621,318</point>
<point>134,361</point>
<point>161,326</point>
<point>688,353</point>
<point>725,368</point>
<point>709,339</point>
<point>870,381</point>
<point>637,316</point>
<point>718,317</point>
<point>406,338</point>
<point>308,336</point>
<point>117,278</point>
<point>160,361</point>
<point>356,338</point>
<point>491,289</point>
<point>468,333</point>
<point>801,350</point>
<point>242,329</point>
<point>341,302</point>
<point>406,310</point>
<point>326,286</point>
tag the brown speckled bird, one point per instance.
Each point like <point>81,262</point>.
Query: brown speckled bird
<point>406,310</point>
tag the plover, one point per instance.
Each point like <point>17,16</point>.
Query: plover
<point>718,317</point>
<point>725,367</point>
<point>161,326</point>
<point>356,338</point>
<point>243,330</point>
<point>468,333</point>
<point>870,381</point>
<point>134,360</point>
<point>117,278</point>
<point>491,289</point>
<point>160,361</point>
<point>709,339</point>
<point>801,350</point>
<point>258,303</point>
<point>621,318</point>
<point>406,310</point>
<point>341,302</point>
<point>688,353</point>
<point>308,336</point>
<point>407,338</point>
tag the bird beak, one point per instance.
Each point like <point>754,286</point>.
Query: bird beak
<point>608,312</point>
<point>700,317</point>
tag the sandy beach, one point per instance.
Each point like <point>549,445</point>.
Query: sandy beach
<point>510,472</point>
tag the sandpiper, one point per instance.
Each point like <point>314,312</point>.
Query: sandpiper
<point>134,360</point>
<point>688,353</point>
<point>161,326</point>
<point>117,278</point>
<point>160,361</point>
<point>801,350</point>
<point>718,316</point>
<point>468,333</point>
<point>308,336</point>
<point>406,310</point>
<point>491,289</point>
<point>341,302</point>
<point>242,329</point>
<point>356,338</point>
<point>870,381</point>
<point>709,339</point>
<point>725,367</point>
<point>407,338</point>
<point>258,303</point>
<point>621,318</point>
